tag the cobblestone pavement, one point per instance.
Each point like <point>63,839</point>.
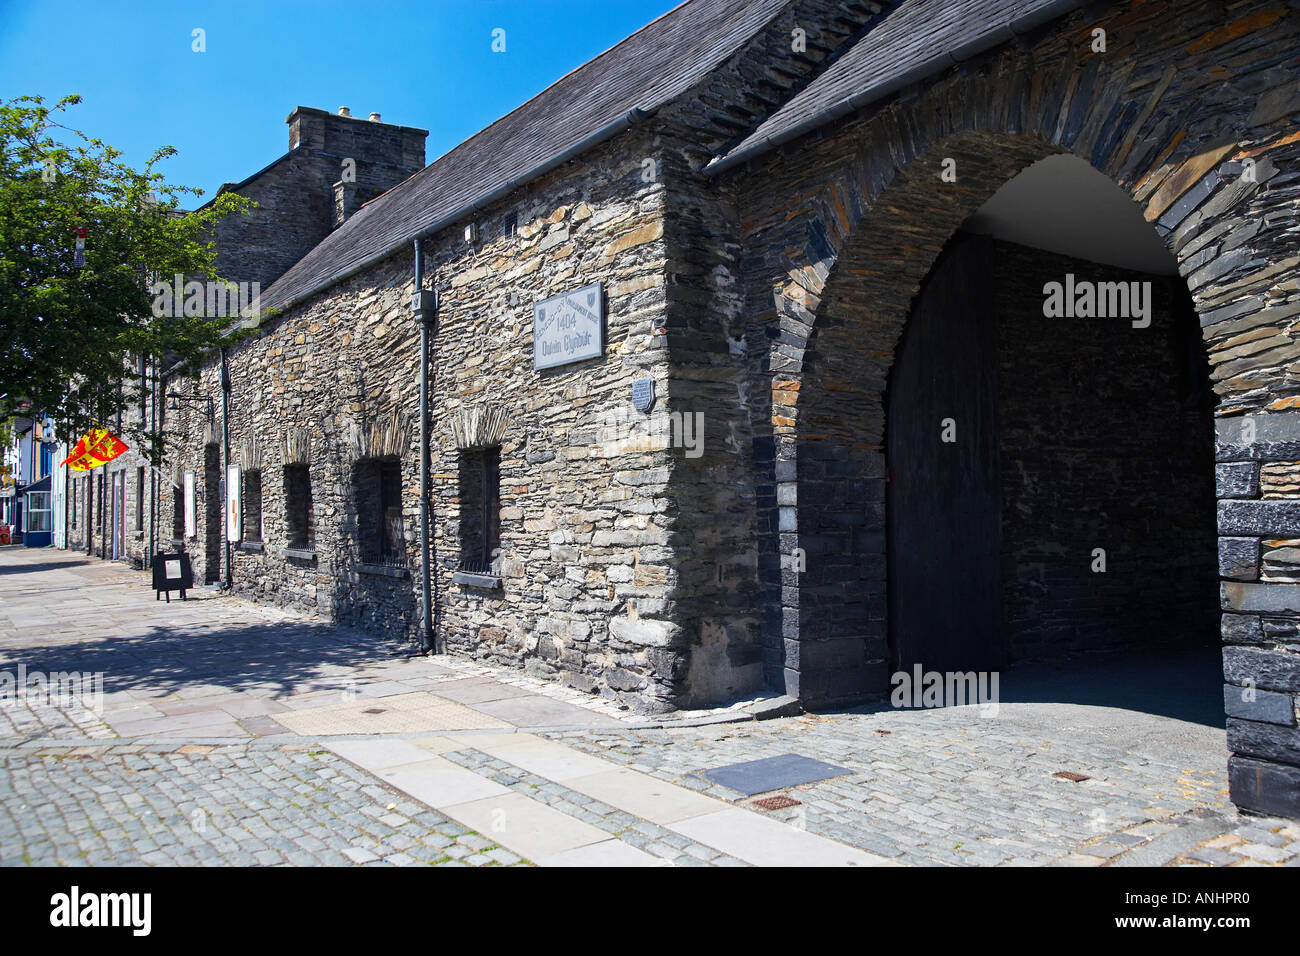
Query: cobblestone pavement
<point>246,804</point>
<point>949,787</point>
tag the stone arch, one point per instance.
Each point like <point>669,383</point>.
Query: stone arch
<point>872,215</point>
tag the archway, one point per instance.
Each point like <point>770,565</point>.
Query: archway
<point>1051,480</point>
<point>841,230</point>
<point>872,585</point>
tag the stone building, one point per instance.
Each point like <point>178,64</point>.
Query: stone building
<point>899,334</point>
<point>335,162</point>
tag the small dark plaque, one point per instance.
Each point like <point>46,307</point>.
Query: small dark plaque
<point>172,572</point>
<point>643,394</point>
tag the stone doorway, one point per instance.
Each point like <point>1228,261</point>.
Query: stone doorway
<point>1050,481</point>
<point>1079,513</point>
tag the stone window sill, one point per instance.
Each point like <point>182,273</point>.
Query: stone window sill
<point>381,570</point>
<point>255,546</point>
<point>489,581</point>
<point>302,554</point>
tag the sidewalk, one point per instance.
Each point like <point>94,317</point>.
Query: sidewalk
<point>235,734</point>
<point>219,668</point>
<point>189,679</point>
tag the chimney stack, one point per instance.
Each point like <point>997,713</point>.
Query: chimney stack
<point>374,118</point>
<point>344,111</point>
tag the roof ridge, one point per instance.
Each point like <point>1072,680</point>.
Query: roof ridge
<point>473,172</point>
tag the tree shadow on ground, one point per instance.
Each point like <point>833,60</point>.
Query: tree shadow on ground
<point>276,659</point>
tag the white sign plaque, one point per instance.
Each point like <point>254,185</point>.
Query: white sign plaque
<point>234,527</point>
<point>569,327</point>
<point>191,509</point>
<point>173,569</point>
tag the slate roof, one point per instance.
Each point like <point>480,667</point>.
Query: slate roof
<point>651,67</point>
<point>915,41</point>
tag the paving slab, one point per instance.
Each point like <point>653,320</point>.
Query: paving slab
<point>380,753</point>
<point>534,711</point>
<point>477,690</point>
<point>525,826</point>
<point>644,796</point>
<point>605,853</point>
<point>546,758</point>
<point>439,783</point>
<point>403,713</point>
<point>766,842</point>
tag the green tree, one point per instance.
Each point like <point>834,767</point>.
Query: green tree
<point>72,334</point>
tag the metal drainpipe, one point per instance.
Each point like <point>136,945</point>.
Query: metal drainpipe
<point>225,458</point>
<point>425,306</point>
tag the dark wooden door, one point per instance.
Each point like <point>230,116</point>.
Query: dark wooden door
<point>944,503</point>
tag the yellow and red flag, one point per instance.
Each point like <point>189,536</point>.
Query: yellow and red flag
<point>97,447</point>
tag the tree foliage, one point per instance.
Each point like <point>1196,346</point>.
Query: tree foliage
<point>71,336</point>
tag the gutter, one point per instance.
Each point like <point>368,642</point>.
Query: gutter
<point>1017,27</point>
<point>608,131</point>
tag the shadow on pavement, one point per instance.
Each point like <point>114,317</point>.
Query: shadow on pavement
<point>1177,681</point>
<point>278,658</point>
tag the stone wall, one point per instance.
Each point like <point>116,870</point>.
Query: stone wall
<point>1191,111</point>
<point>588,524</point>
<point>1106,435</point>
<point>770,301</point>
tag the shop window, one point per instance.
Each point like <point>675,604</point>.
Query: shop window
<point>380,532</point>
<point>480,510</point>
<point>39,517</point>
<point>300,522</point>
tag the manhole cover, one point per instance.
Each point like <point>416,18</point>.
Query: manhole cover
<point>773,773</point>
<point>779,802</point>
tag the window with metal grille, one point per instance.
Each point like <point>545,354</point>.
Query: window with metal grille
<point>480,510</point>
<point>300,522</point>
<point>380,530</point>
<point>511,225</point>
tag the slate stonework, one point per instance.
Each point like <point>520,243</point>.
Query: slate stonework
<point>770,298</point>
<point>1191,114</point>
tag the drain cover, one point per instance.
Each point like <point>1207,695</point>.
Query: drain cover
<point>375,710</point>
<point>773,773</point>
<point>779,802</point>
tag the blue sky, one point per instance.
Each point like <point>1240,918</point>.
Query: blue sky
<point>427,64</point>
